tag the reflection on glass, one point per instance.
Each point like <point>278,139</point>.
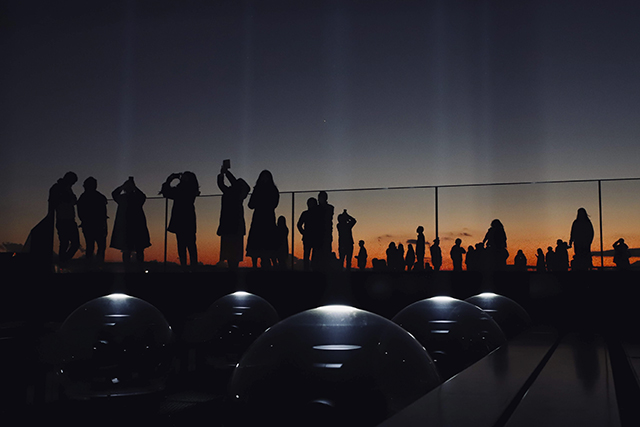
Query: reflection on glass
<point>330,365</point>
<point>455,333</point>
<point>115,345</point>
<point>508,314</point>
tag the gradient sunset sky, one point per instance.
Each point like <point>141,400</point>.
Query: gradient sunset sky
<point>331,95</point>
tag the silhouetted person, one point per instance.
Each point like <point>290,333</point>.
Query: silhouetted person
<point>410,258</point>
<point>309,230</point>
<point>345,238</point>
<point>621,254</point>
<point>231,228</point>
<point>62,203</point>
<point>392,256</point>
<point>282,239</point>
<point>362,256</point>
<point>496,250</point>
<point>436,254</point>
<point>400,257</point>
<point>92,211</point>
<point>130,232</point>
<point>552,264</point>
<point>261,242</point>
<point>480,258</point>
<point>562,256</point>
<point>520,261</point>
<point>540,262</point>
<point>324,244</point>
<point>183,214</point>
<point>456,255</point>
<point>581,239</point>
<point>470,258</point>
<point>420,248</point>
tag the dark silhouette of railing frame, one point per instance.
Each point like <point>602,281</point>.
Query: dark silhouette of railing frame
<point>418,187</point>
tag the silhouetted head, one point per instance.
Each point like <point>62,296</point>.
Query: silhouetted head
<point>400,247</point>
<point>470,248</point>
<point>520,252</point>
<point>436,241</point>
<point>361,243</point>
<point>282,221</point>
<point>559,242</point>
<point>480,245</point>
<point>323,197</point>
<point>70,178</point>
<point>242,187</point>
<point>496,223</point>
<point>90,184</point>
<point>582,214</point>
<point>458,241</point>
<point>410,247</point>
<point>129,186</point>
<point>540,251</point>
<point>265,179</point>
<point>190,182</point>
<point>420,229</point>
<point>312,202</point>
<point>392,245</point>
<point>549,249</point>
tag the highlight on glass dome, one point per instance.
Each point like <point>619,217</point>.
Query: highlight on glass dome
<point>115,345</point>
<point>508,314</point>
<point>455,333</point>
<point>332,365</point>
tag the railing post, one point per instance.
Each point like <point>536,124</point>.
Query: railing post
<point>600,220</point>
<point>166,215</point>
<point>293,226</point>
<point>436,194</point>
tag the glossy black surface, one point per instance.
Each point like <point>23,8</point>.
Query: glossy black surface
<point>115,345</point>
<point>455,333</point>
<point>333,365</point>
<point>508,314</point>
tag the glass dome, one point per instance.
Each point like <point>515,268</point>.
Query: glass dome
<point>333,365</point>
<point>235,321</point>
<point>508,314</point>
<point>115,345</point>
<point>455,333</point>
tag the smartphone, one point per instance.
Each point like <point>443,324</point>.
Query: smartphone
<point>226,163</point>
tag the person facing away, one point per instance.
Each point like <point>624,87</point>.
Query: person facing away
<point>324,218</point>
<point>345,238</point>
<point>400,257</point>
<point>231,227</point>
<point>391,256</point>
<point>469,258</point>
<point>62,203</point>
<point>410,258</point>
<point>362,256</point>
<point>540,264</point>
<point>130,232</point>
<point>420,248</point>
<point>92,211</point>
<point>551,260</point>
<point>282,246</point>
<point>621,254</point>
<point>562,256</point>
<point>183,214</point>
<point>308,227</point>
<point>496,245</point>
<point>520,261</point>
<point>581,239</point>
<point>262,240</point>
<point>436,254</point>
<point>456,255</point>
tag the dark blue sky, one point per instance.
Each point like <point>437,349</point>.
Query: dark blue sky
<point>332,94</point>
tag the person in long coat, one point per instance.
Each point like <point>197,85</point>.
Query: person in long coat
<point>262,239</point>
<point>581,239</point>
<point>183,214</point>
<point>130,232</point>
<point>232,226</point>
